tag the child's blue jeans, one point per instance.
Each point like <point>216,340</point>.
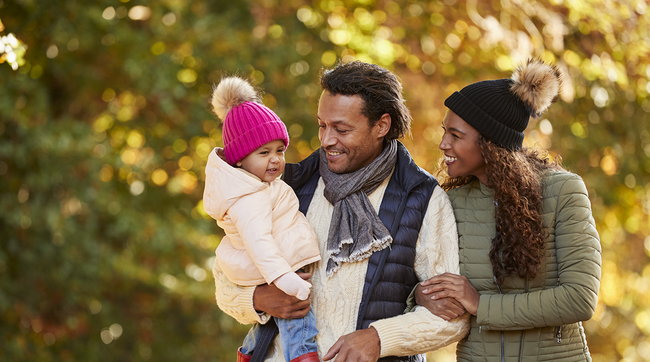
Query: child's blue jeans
<point>297,336</point>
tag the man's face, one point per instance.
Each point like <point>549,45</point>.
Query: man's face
<point>345,133</point>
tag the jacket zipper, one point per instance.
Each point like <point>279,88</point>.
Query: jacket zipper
<point>558,334</point>
<point>521,338</point>
<point>503,353</point>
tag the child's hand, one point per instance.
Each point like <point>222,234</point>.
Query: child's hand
<point>292,284</point>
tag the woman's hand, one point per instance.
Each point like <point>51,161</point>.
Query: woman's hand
<point>445,308</point>
<point>454,286</point>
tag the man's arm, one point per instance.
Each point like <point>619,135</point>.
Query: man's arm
<point>419,331</point>
<point>235,300</point>
<point>250,305</point>
<point>437,252</point>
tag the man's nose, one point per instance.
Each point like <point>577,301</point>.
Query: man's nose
<point>327,138</point>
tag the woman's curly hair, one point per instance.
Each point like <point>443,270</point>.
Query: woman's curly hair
<point>515,178</point>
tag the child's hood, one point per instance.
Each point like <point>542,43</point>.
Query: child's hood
<point>225,185</point>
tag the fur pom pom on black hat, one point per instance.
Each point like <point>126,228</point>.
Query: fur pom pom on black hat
<point>537,84</point>
<point>500,109</point>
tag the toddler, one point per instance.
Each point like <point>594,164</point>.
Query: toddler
<point>267,239</point>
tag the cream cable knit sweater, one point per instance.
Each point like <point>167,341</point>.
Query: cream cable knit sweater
<point>335,300</point>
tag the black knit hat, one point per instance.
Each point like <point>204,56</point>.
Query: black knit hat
<point>500,109</point>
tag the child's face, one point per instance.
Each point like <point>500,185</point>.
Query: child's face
<point>266,162</point>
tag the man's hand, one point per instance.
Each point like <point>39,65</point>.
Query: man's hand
<point>270,299</point>
<point>445,308</point>
<point>359,346</point>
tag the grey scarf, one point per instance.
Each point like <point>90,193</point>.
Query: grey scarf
<point>356,230</point>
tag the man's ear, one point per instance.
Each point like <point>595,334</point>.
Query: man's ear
<point>382,126</point>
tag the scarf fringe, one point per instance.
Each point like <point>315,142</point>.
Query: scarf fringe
<point>334,263</point>
<point>353,213</point>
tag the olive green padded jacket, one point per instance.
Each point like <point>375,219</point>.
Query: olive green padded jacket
<point>537,319</point>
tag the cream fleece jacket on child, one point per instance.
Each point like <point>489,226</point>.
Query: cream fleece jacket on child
<point>267,237</point>
<point>335,300</point>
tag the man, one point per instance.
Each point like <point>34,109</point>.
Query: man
<point>383,225</point>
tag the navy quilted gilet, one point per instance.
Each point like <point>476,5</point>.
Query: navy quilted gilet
<point>391,273</point>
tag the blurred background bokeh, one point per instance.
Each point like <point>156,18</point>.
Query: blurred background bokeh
<point>105,128</point>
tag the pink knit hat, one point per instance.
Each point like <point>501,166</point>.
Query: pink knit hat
<point>247,124</point>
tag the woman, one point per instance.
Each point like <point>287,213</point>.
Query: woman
<point>529,250</point>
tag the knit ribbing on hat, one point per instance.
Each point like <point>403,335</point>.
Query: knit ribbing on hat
<point>493,110</point>
<point>249,126</point>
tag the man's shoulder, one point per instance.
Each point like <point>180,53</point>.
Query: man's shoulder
<point>298,174</point>
<point>408,173</point>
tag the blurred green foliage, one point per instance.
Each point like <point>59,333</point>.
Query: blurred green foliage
<point>105,251</point>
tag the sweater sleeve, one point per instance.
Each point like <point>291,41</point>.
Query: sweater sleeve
<point>436,252</point>
<point>579,259</point>
<point>235,300</point>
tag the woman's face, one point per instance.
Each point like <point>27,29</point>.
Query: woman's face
<point>460,146</point>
